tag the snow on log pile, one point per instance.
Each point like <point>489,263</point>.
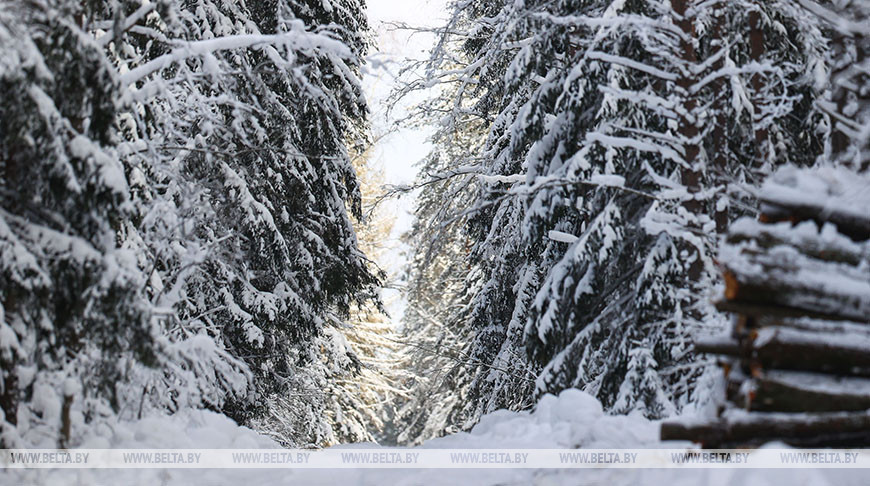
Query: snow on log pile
<point>797,281</point>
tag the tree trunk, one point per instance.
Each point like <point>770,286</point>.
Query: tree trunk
<point>818,430</point>
<point>690,174</point>
<point>790,280</point>
<point>780,393</point>
<point>756,51</point>
<point>855,226</point>
<point>758,310</point>
<point>790,349</point>
<point>767,237</point>
<point>719,141</point>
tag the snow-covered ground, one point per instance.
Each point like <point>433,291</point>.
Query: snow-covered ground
<point>572,420</point>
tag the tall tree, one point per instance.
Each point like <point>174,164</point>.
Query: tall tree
<point>73,313</point>
<point>603,174</point>
<point>188,210</point>
<point>248,116</point>
<point>848,100</point>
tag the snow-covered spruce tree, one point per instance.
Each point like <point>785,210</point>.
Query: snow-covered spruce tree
<point>361,352</point>
<point>73,314</point>
<point>604,174</point>
<point>436,334</point>
<point>438,330</point>
<point>242,110</point>
<point>848,99</point>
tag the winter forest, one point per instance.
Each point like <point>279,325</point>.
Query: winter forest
<point>659,209</point>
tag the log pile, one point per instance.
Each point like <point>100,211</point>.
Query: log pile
<point>797,283</point>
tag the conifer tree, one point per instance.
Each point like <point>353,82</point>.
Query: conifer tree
<point>604,178</point>
<point>847,102</point>
<point>184,238</point>
<point>246,125</point>
<point>74,315</point>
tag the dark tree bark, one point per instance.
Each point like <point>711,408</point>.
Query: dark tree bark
<point>828,430</point>
<point>778,394</point>
<point>756,51</point>
<point>790,354</point>
<point>690,175</point>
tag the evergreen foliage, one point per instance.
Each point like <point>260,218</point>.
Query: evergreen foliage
<point>616,138</point>
<point>187,221</point>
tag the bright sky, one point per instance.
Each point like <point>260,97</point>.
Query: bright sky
<point>395,48</point>
<point>398,152</point>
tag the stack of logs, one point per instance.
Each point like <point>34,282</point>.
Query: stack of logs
<point>797,360</point>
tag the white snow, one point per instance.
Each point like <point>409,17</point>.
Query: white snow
<point>623,61</point>
<point>574,419</point>
<point>822,383</point>
<point>295,40</point>
<point>608,180</point>
<point>829,188</point>
<point>562,237</point>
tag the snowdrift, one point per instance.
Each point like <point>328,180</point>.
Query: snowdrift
<point>572,420</point>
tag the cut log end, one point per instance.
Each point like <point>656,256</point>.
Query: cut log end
<point>731,285</point>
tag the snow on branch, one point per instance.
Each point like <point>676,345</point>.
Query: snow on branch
<point>561,237</point>
<point>837,21</point>
<point>611,22</point>
<point>297,40</point>
<point>629,63</point>
<point>437,177</point>
<point>128,23</point>
<point>623,142</point>
<point>750,68</point>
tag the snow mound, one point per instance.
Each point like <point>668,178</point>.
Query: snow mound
<point>190,429</point>
<point>572,420</point>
